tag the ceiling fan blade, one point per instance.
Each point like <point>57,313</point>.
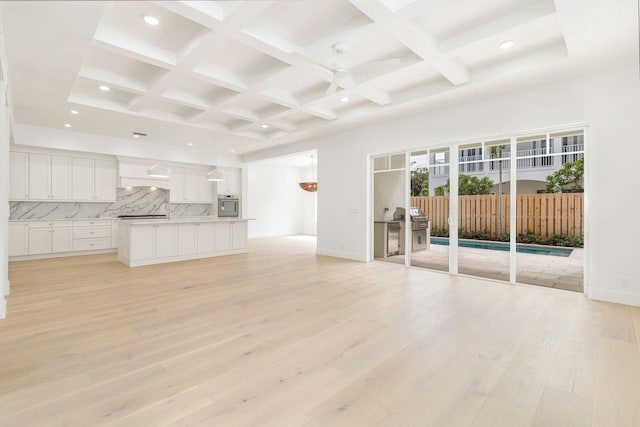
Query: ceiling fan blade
<point>377,67</point>
<point>333,86</point>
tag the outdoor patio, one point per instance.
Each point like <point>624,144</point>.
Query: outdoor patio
<point>541,270</point>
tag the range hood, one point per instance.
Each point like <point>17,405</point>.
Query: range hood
<point>136,175</point>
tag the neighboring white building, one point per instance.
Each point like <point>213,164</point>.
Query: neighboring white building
<point>536,161</point>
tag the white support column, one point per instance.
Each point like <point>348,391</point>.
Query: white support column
<point>453,209</point>
<point>513,190</point>
<point>4,198</point>
<point>408,234</point>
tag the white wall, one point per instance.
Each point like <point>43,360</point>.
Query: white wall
<point>608,100</point>
<point>280,207</point>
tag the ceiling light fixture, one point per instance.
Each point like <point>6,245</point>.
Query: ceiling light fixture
<point>344,99</point>
<point>158,171</point>
<point>264,126</point>
<point>215,175</point>
<point>104,88</point>
<point>312,185</point>
<point>151,20</point>
<point>506,44</point>
<point>67,125</point>
<point>138,134</point>
<point>74,112</point>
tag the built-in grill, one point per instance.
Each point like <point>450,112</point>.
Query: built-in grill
<point>419,225</point>
<point>142,216</point>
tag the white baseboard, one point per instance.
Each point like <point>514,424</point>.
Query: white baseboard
<point>340,254</point>
<point>59,255</point>
<point>618,297</point>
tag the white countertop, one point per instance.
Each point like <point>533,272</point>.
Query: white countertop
<point>184,219</point>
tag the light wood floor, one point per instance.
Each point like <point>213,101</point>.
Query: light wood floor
<point>281,337</point>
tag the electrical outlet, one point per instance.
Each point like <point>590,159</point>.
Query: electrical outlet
<point>624,281</point>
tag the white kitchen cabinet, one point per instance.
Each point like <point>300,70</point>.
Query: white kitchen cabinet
<point>192,193</point>
<point>114,234</point>
<point>177,191</point>
<point>186,239</point>
<point>18,176</point>
<point>142,242</point>
<point>49,177</point>
<point>205,237</point>
<point>145,243</point>
<point>206,189</point>
<point>224,236</point>
<point>152,241</point>
<point>165,240</point>
<point>39,241</point>
<point>232,183</point>
<point>105,180</point>
<point>18,238</point>
<point>188,185</point>
<point>239,235</point>
<point>47,238</point>
<point>93,180</point>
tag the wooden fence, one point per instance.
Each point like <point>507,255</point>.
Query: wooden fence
<point>542,214</point>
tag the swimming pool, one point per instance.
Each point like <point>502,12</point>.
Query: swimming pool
<point>504,246</point>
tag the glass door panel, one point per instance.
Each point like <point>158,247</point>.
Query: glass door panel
<point>484,209</point>
<point>389,194</point>
<point>550,210</point>
<point>429,222</point>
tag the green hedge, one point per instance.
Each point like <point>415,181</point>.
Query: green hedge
<point>528,237</point>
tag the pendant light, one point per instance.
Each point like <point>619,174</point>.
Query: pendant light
<point>158,171</point>
<point>310,186</point>
<point>215,175</point>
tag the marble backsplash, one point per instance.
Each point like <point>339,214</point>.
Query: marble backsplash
<point>129,201</point>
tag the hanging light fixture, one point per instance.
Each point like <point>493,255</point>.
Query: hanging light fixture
<point>310,186</point>
<point>158,171</point>
<point>215,175</point>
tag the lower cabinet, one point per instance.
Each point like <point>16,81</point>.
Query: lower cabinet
<point>18,238</point>
<point>50,238</point>
<point>143,244</point>
<point>154,241</point>
<point>231,235</point>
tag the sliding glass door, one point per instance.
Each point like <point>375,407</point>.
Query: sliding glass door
<point>429,209</point>
<point>509,209</point>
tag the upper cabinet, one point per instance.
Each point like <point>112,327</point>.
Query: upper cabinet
<point>232,183</point>
<point>93,180</point>
<point>189,185</point>
<point>49,177</point>
<point>18,176</point>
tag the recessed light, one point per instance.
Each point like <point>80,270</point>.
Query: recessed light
<point>67,125</point>
<point>190,144</point>
<point>151,20</point>
<point>264,126</point>
<point>232,150</point>
<point>104,88</point>
<point>506,44</point>
<point>74,112</point>
<point>344,99</point>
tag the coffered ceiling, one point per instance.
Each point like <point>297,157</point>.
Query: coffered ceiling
<point>245,76</point>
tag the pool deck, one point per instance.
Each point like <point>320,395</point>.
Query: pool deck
<point>540,270</point>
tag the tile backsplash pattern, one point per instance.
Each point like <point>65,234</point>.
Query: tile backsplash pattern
<point>130,201</point>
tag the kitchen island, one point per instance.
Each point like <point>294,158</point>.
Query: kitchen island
<point>155,241</point>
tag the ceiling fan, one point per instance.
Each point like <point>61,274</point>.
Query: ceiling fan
<point>343,74</point>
